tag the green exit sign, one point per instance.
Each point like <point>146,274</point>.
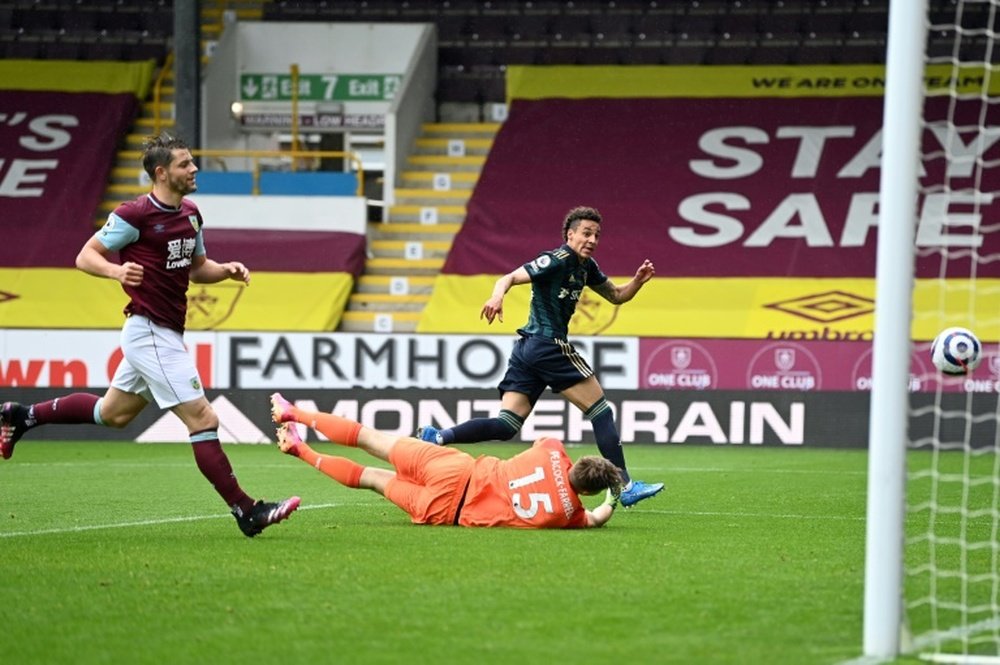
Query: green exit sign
<point>319,87</point>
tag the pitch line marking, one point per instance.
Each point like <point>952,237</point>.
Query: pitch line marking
<point>784,516</point>
<point>141,523</point>
<point>199,518</point>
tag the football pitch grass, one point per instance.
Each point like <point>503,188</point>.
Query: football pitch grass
<point>122,553</point>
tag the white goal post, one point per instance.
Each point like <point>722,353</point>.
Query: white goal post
<point>931,584</point>
<point>887,430</point>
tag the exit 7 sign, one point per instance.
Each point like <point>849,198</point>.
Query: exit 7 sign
<point>319,87</point>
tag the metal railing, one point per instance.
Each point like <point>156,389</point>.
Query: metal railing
<point>158,93</point>
<point>255,156</point>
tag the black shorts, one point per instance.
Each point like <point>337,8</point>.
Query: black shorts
<point>537,362</point>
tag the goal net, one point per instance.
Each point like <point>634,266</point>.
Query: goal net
<point>951,533</point>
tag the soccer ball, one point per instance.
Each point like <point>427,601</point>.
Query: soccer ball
<point>956,351</point>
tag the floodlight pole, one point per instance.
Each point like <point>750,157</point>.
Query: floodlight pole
<point>887,432</point>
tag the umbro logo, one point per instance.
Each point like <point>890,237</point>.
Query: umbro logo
<point>826,307</point>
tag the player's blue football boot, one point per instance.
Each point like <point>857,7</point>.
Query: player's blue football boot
<point>428,434</point>
<point>638,492</point>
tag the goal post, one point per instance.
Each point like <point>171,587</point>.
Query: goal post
<point>932,555</point>
<point>889,411</point>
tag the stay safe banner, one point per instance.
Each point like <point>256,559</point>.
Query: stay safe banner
<point>754,191</point>
<point>735,187</point>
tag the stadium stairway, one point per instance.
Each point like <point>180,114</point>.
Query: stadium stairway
<point>127,179</point>
<point>406,253</point>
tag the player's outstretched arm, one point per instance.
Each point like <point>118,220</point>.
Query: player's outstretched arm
<point>493,308</point>
<point>622,294</point>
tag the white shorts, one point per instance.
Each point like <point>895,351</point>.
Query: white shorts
<point>156,364</point>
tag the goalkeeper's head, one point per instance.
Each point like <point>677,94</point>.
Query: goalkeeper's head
<point>592,475</point>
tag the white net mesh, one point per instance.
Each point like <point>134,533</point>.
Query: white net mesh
<point>951,583</point>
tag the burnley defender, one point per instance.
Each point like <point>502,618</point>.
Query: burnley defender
<point>159,240</point>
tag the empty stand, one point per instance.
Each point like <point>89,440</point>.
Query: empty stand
<point>478,38</point>
<point>109,30</point>
<point>483,36</point>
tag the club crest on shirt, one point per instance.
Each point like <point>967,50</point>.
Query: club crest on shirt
<point>194,222</point>
<point>593,315</point>
<point>209,305</point>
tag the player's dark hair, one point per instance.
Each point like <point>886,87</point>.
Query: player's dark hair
<point>159,151</point>
<point>577,215</point>
<point>592,474</point>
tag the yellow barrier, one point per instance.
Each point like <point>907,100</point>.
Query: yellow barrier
<point>739,308</point>
<point>158,93</point>
<point>68,298</point>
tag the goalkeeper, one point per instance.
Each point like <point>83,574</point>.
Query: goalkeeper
<point>539,488</point>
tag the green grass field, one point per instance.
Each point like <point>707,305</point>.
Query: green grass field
<point>122,553</point>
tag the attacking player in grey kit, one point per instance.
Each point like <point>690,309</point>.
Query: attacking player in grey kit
<point>159,240</point>
<point>542,356</point>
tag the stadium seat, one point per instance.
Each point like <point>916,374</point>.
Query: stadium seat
<point>688,53</point>
<point>601,53</point>
<point>654,26</point>
<point>286,10</point>
<point>978,49</point>
<point>105,49</point>
<point>867,23</point>
<point>36,20</point>
<point>493,89</point>
<point>772,53</point>
<point>451,28</point>
<point>571,27</point>
<point>24,49</point>
<point>941,45</point>
<point>738,26</point>
<point>463,89</point>
<point>518,53</point>
<point>780,26</point>
<point>612,26</point>
<point>867,52</point>
<point>697,27</point>
<point>816,52</point>
<point>157,21</point>
<point>63,50</point>
<point>829,25</point>
<point>550,7</point>
<point>650,53</point>
<point>488,28</point>
<point>531,27</point>
<point>730,52</point>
